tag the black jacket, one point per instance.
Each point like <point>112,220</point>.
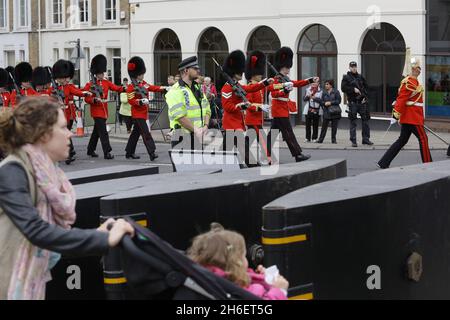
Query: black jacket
<point>352,81</point>
<point>335,98</point>
<point>16,202</point>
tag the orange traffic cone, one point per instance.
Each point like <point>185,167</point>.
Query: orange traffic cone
<point>80,128</point>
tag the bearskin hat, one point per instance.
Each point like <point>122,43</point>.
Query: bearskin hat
<point>255,65</point>
<point>23,72</point>
<point>4,78</point>
<point>40,76</point>
<point>62,69</point>
<point>10,70</point>
<point>136,67</point>
<point>284,58</point>
<point>99,64</point>
<point>234,63</point>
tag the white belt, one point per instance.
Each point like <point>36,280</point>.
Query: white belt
<point>415,104</point>
<point>281,99</point>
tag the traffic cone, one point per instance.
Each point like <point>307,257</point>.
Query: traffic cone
<point>80,127</point>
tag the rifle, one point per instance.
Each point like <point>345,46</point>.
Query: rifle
<point>57,91</point>
<point>95,88</point>
<point>16,87</point>
<point>142,91</point>
<point>278,74</point>
<point>237,89</point>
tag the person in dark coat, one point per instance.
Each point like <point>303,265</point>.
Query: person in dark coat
<point>330,102</point>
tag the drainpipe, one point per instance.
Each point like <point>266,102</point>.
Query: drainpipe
<point>39,33</point>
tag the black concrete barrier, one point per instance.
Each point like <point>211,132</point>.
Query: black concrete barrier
<point>380,235</point>
<point>88,217</point>
<point>110,173</point>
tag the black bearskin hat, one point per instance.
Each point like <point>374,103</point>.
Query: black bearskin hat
<point>234,63</point>
<point>62,69</point>
<point>10,70</point>
<point>40,76</point>
<point>99,64</point>
<point>255,65</point>
<point>23,72</point>
<point>136,67</point>
<point>4,78</point>
<point>284,58</point>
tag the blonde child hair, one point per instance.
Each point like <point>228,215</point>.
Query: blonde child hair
<point>223,249</point>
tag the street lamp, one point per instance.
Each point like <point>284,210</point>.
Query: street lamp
<point>76,57</point>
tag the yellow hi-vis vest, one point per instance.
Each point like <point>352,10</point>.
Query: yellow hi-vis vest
<point>182,103</point>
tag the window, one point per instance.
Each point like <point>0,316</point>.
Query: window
<point>2,14</point>
<point>23,11</point>
<point>55,54</point>
<point>83,5</point>
<point>57,11</point>
<point>10,58</point>
<point>110,10</point>
<point>167,55</point>
<point>22,56</point>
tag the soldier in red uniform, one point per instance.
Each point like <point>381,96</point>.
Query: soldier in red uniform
<point>23,74</point>
<point>5,95</point>
<point>41,81</point>
<point>138,97</point>
<point>63,71</point>
<point>99,106</point>
<point>254,115</point>
<point>408,110</point>
<point>282,105</point>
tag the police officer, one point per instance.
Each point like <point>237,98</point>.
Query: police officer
<point>189,109</point>
<point>355,87</point>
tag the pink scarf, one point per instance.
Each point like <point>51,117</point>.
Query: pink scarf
<point>56,205</point>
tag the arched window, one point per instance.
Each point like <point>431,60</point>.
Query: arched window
<point>212,44</point>
<point>266,40</point>
<point>167,54</point>
<point>383,60</point>
<point>317,55</point>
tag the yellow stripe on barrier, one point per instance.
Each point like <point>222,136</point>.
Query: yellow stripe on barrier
<point>287,240</point>
<point>306,296</point>
<point>114,280</point>
<point>142,223</point>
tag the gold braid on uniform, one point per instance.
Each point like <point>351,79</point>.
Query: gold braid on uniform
<point>411,86</point>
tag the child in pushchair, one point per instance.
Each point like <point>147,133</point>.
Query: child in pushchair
<point>155,270</point>
<point>224,253</point>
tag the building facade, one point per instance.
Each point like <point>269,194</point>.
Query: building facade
<point>325,36</point>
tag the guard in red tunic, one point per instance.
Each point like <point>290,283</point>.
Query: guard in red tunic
<point>409,111</point>
<point>23,74</point>
<point>63,72</point>
<point>5,95</point>
<point>282,105</point>
<point>41,81</point>
<point>99,106</point>
<point>138,97</point>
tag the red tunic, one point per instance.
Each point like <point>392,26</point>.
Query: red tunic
<point>139,111</point>
<point>100,109</point>
<point>409,102</point>
<point>280,99</point>
<point>233,119</point>
<point>253,117</point>
<point>69,92</point>
<point>25,92</point>
<point>6,99</point>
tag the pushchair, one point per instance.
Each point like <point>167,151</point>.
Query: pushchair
<point>156,271</point>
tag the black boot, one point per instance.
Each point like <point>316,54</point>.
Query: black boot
<point>302,157</point>
<point>109,156</point>
<point>132,156</point>
<point>92,154</point>
<point>153,156</point>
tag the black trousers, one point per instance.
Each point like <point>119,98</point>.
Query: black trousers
<point>334,128</point>
<point>284,125</point>
<point>405,134</point>
<point>99,132</point>
<point>312,120</point>
<point>363,111</point>
<point>448,151</point>
<point>72,148</point>
<point>128,122</point>
<point>140,129</point>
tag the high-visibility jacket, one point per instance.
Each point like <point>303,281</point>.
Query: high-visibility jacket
<point>182,102</point>
<point>409,102</point>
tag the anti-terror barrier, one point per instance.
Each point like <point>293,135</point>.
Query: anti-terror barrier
<point>110,173</point>
<point>179,209</point>
<point>380,235</point>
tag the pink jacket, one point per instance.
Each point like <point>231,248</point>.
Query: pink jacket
<point>258,286</point>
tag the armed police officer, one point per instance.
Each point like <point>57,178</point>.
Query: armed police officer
<point>355,87</point>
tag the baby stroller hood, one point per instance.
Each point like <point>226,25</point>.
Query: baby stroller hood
<point>155,270</point>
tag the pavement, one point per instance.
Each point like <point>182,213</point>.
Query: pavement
<point>381,139</point>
